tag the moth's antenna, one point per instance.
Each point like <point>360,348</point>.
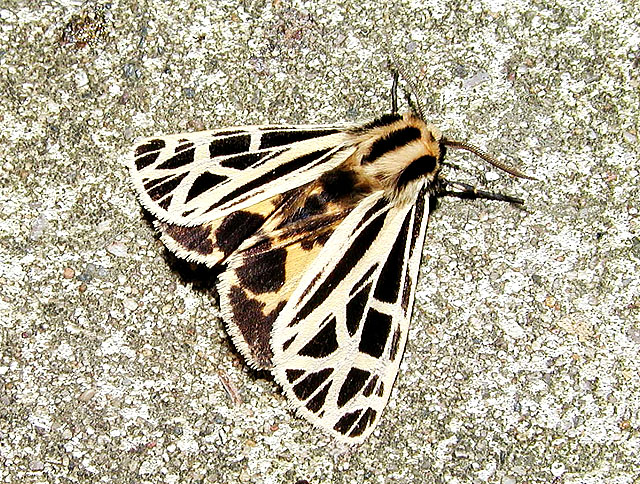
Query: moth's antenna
<point>486,157</point>
<point>396,67</point>
<point>394,94</point>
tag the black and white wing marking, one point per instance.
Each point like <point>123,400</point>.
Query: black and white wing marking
<point>338,342</point>
<point>192,178</point>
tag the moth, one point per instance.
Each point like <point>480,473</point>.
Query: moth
<point>319,233</point>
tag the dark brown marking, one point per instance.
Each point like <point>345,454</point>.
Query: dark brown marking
<point>235,228</point>
<point>278,172</point>
<point>178,160</point>
<point>346,422</point>
<point>204,182</point>
<point>152,145</point>
<point>340,183</point>
<point>287,343</point>
<point>323,343</point>
<point>380,390</point>
<point>375,333</point>
<point>229,145</point>
<point>313,205</point>
<point>354,381</point>
<point>390,142</point>
<point>418,168</point>
<point>166,187</point>
<point>384,120</point>
<point>254,325</point>
<point>293,375</point>
<point>165,202</point>
<point>388,285</point>
<point>395,343</point>
<point>195,239</point>
<point>365,422</point>
<point>355,309</point>
<point>285,137</point>
<point>268,155</point>
<point>406,292</point>
<point>417,219</point>
<point>304,211</point>
<point>318,399</point>
<point>310,384</point>
<point>351,257</point>
<point>241,162</point>
<point>184,146</point>
<point>263,271</point>
<point>146,160</point>
<point>156,181</point>
<point>368,390</point>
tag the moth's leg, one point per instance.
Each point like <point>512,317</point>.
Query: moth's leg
<point>457,167</point>
<point>446,188</point>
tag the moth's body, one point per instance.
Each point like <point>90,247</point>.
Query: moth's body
<point>320,231</point>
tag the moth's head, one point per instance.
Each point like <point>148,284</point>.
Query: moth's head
<point>401,152</point>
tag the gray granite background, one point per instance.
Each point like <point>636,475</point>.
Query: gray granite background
<point>522,363</point>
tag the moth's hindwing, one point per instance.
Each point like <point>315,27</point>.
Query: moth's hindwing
<point>193,178</point>
<point>212,242</point>
<point>264,271</point>
<point>339,340</point>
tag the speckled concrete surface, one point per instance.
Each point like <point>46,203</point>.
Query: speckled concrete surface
<point>522,364</point>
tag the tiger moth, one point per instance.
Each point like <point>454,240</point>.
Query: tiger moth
<point>318,231</point>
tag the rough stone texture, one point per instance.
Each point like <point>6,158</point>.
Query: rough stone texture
<point>522,364</point>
